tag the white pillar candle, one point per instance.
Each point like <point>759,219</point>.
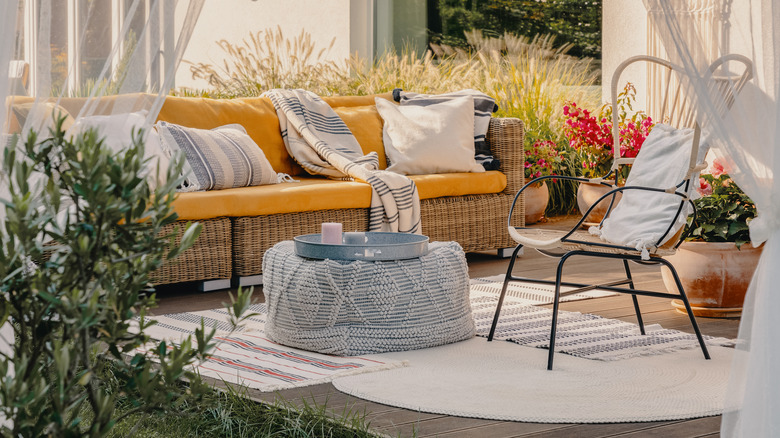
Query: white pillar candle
<point>331,233</point>
<point>355,238</point>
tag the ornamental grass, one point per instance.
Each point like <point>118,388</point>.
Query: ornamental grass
<point>530,79</point>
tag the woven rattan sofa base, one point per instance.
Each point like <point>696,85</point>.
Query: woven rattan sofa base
<point>253,236</point>
<point>209,258</point>
<point>476,222</point>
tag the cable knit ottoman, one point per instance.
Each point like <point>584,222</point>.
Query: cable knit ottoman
<point>348,308</point>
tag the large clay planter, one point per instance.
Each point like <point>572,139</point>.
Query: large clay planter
<point>536,199</point>
<point>588,194</point>
<point>715,276</point>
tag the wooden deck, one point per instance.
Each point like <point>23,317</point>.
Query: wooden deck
<point>401,422</point>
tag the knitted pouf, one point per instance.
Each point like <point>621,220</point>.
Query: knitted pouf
<point>348,308</point>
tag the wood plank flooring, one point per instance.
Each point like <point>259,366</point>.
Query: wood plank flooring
<point>404,423</point>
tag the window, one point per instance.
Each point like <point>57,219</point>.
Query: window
<point>87,36</point>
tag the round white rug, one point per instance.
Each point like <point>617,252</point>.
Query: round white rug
<point>504,381</point>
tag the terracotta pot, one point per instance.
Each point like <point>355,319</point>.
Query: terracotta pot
<point>715,276</point>
<point>588,194</point>
<point>536,199</point>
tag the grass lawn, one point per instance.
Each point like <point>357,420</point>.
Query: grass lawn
<point>233,414</point>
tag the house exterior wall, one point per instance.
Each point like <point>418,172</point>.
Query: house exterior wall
<point>624,34</point>
<point>349,21</point>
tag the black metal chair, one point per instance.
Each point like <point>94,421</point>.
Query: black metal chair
<point>675,112</point>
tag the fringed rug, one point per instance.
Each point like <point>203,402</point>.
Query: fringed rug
<point>247,357</point>
<point>530,294</point>
<point>582,335</point>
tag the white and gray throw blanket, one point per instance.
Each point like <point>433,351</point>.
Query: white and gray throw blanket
<point>317,138</point>
<point>484,106</point>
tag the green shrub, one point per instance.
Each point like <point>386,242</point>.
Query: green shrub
<point>83,232</point>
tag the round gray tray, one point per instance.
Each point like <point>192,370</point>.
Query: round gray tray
<point>378,246</point>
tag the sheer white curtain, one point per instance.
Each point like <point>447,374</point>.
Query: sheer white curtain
<point>87,57</point>
<point>747,137</point>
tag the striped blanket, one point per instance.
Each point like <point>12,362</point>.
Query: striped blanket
<point>317,138</point>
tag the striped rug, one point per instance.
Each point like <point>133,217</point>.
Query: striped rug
<point>527,293</point>
<point>581,335</point>
<point>248,357</point>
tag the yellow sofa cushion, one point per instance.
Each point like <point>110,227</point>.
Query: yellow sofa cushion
<point>314,193</point>
<point>459,184</point>
<point>309,194</point>
<point>258,116</point>
<point>366,126</point>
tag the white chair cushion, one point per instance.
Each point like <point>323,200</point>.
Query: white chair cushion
<point>642,217</point>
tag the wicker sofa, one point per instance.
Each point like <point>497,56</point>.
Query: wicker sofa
<point>240,224</point>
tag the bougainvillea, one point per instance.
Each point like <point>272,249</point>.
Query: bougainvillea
<point>542,158</point>
<point>590,134</point>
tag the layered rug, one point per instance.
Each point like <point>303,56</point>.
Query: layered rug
<point>658,376</point>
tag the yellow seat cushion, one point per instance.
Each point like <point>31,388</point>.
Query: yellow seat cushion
<point>313,193</point>
<point>459,184</point>
<point>309,194</point>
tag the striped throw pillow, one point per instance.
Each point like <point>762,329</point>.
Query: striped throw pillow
<point>219,158</point>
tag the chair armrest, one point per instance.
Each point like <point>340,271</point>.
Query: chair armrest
<point>505,137</point>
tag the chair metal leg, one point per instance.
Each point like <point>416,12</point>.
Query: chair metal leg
<point>633,297</point>
<point>507,279</point>
<point>684,299</point>
<point>556,304</point>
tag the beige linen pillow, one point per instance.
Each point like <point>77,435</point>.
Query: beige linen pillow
<point>437,138</point>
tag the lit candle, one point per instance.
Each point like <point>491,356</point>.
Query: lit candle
<point>331,233</point>
<point>355,238</point>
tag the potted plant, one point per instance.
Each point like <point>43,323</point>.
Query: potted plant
<point>714,263</point>
<point>541,158</point>
<point>591,136</point>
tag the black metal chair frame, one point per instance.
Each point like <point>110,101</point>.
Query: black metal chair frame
<point>627,254</point>
<point>610,286</point>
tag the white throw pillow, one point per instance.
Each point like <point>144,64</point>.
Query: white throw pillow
<point>117,131</point>
<point>219,158</point>
<point>437,138</point>
<point>642,217</point>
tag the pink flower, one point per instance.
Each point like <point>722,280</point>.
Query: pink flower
<point>717,169</point>
<point>704,189</point>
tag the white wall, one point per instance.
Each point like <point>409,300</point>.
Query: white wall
<point>234,20</point>
<point>624,34</point>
